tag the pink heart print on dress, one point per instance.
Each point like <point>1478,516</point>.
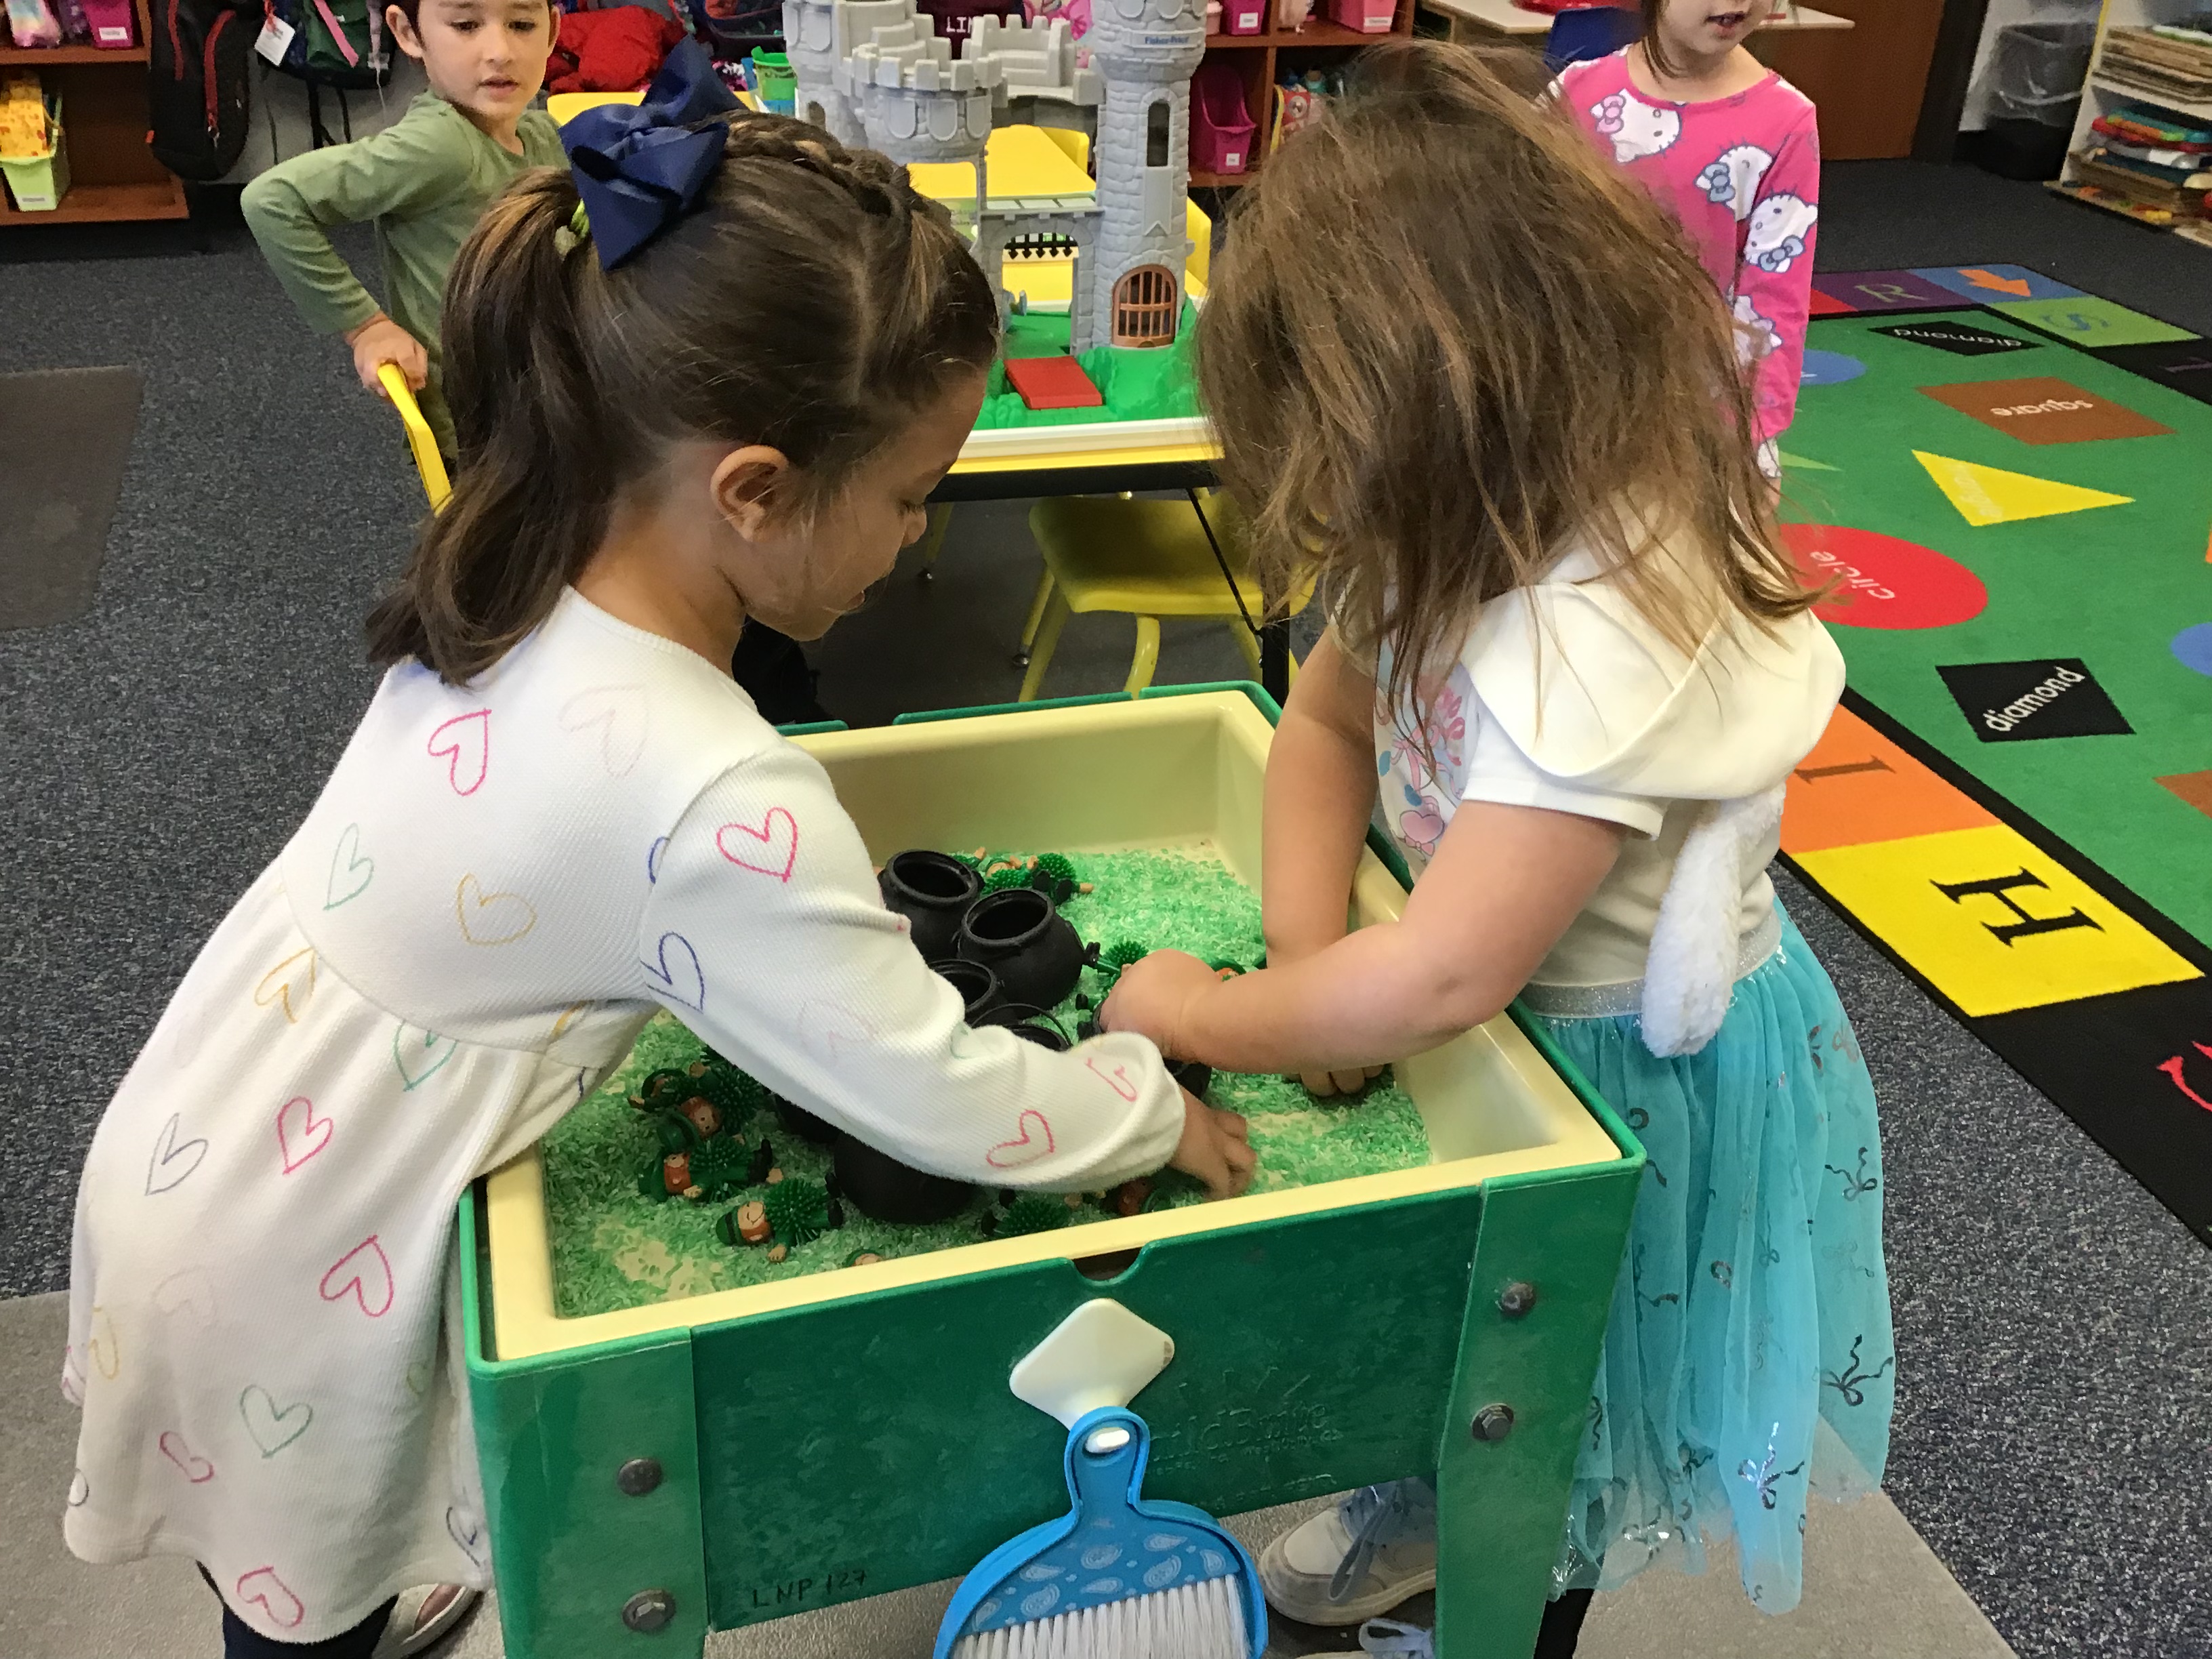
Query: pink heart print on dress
<point>1034,1142</point>
<point>771,850</point>
<point>1117,1079</point>
<point>299,1133</point>
<point>464,743</point>
<point>194,1467</point>
<point>822,1026</point>
<point>363,1273</point>
<point>262,1588</point>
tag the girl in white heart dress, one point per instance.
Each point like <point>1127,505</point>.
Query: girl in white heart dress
<point>557,816</point>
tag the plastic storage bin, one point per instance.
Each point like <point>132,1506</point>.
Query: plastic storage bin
<point>1368,16</point>
<point>2036,74</point>
<point>731,29</point>
<point>851,1433</point>
<point>114,24</point>
<point>1245,16</point>
<point>774,79</point>
<point>1221,128</point>
<point>38,182</point>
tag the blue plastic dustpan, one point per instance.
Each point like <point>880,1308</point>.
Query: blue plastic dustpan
<point>1112,1548</point>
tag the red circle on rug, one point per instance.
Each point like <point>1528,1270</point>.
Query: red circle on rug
<point>1882,582</point>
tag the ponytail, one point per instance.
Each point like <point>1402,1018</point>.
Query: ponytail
<point>813,304</point>
<point>535,487</point>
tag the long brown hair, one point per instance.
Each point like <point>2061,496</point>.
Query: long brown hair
<point>1447,339</point>
<point>814,303</point>
<point>1654,49</point>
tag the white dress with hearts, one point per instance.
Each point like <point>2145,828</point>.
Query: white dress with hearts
<point>499,885</point>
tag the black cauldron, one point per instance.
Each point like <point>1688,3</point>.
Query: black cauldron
<point>1019,936</point>
<point>803,1123</point>
<point>887,1190</point>
<point>979,988</point>
<point>932,891</point>
<point>1030,1024</point>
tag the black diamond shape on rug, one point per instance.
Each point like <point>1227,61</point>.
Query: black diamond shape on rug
<point>1959,339</point>
<point>2042,697</point>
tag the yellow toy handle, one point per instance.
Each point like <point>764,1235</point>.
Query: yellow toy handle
<point>427,461</point>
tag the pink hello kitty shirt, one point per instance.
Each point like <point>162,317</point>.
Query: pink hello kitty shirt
<point>1743,176</point>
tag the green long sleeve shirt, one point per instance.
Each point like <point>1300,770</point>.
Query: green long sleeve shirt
<point>425,181</point>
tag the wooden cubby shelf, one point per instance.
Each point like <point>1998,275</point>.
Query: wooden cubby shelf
<point>114,177</point>
<point>1256,56</point>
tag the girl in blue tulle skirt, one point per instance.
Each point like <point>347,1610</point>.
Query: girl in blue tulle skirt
<point>1569,669</point>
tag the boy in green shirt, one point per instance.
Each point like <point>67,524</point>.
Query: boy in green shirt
<point>425,181</point>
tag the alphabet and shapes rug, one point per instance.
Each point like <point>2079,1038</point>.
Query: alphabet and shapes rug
<point>2009,483</point>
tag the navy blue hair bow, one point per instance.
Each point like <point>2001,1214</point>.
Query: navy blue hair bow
<point>640,167</point>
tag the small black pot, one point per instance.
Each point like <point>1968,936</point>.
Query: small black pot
<point>803,1123</point>
<point>887,1190</point>
<point>1018,935</point>
<point>979,988</point>
<point>932,891</point>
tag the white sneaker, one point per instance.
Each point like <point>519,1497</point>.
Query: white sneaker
<point>1363,1557</point>
<point>424,1617</point>
<point>1391,1640</point>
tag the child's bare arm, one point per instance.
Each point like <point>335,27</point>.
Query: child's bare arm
<point>1504,884</point>
<point>1320,793</point>
<point>1321,790</point>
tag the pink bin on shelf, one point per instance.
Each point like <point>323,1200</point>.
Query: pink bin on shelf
<point>1368,16</point>
<point>1220,126</point>
<point>1245,16</point>
<point>114,24</point>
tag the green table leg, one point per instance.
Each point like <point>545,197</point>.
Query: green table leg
<point>1516,1405</point>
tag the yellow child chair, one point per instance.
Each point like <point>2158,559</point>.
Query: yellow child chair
<point>427,461</point>
<point>1152,559</point>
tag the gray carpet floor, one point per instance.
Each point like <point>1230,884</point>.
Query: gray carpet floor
<point>2054,1435</point>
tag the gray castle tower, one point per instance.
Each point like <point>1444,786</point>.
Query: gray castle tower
<point>878,71</point>
<point>1147,50</point>
<point>819,35</point>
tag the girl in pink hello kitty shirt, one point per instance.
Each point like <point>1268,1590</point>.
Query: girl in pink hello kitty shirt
<point>1734,150</point>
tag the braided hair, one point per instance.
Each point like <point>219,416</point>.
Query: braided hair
<point>814,303</point>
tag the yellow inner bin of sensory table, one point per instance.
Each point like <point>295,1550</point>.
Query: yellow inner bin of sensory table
<point>1175,772</point>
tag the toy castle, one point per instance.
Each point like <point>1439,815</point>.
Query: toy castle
<point>876,72</point>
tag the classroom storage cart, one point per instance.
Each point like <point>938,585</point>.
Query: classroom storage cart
<point>654,1473</point>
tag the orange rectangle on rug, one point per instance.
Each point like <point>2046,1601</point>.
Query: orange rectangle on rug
<point>1856,787</point>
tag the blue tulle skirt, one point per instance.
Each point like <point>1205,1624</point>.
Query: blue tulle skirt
<point>1753,1305</point>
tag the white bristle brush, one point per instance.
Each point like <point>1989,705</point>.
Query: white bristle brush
<point>1116,1578</point>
